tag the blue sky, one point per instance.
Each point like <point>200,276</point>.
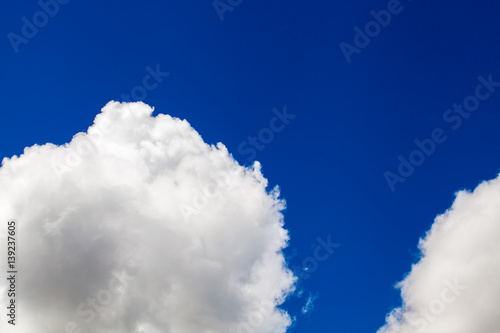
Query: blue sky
<point>352,120</point>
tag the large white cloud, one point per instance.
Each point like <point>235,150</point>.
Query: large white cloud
<point>138,225</point>
<point>455,287</point>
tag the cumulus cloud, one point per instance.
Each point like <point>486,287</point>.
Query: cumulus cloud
<point>138,225</point>
<point>455,287</point>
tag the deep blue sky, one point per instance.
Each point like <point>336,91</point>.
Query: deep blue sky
<point>353,120</point>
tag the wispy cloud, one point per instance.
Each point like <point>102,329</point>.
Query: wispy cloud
<point>309,306</point>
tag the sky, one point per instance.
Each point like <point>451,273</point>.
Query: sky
<point>365,118</point>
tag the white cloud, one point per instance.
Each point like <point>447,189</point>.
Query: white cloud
<point>455,287</point>
<point>138,225</point>
<point>309,306</point>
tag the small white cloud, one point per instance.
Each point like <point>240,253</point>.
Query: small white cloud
<point>309,306</point>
